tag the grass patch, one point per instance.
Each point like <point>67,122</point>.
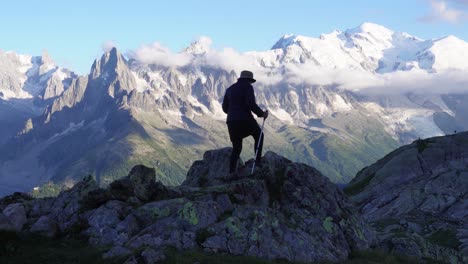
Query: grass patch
<point>445,238</point>
<point>378,256</point>
<point>358,187</point>
<point>29,249</point>
<point>49,189</point>
<point>361,257</point>
<point>197,256</point>
<point>25,249</point>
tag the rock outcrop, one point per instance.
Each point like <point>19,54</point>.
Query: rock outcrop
<point>285,210</point>
<point>417,198</point>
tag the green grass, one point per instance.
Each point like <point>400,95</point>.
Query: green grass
<point>362,257</point>
<point>49,189</point>
<point>198,256</point>
<point>358,187</point>
<point>25,249</point>
<point>381,257</point>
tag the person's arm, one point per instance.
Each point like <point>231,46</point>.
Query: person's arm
<point>250,101</point>
<point>226,102</point>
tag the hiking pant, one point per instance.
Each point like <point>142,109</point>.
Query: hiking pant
<point>238,130</point>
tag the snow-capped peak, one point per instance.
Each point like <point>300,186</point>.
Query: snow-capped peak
<point>449,53</point>
<point>371,28</point>
<point>26,76</point>
<point>200,46</point>
<point>285,41</point>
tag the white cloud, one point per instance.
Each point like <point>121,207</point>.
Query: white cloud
<point>310,73</point>
<point>414,81</point>
<point>228,58</point>
<point>357,80</point>
<point>442,12</point>
<point>157,54</point>
<point>464,2</point>
<point>419,81</point>
<point>202,45</point>
<point>108,45</point>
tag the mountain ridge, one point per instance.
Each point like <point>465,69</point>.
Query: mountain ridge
<point>129,112</point>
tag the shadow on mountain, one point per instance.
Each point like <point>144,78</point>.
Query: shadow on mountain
<point>181,136</point>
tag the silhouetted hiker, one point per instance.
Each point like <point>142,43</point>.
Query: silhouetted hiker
<point>238,104</point>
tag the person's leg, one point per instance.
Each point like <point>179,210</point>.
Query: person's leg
<point>236,151</point>
<point>255,132</point>
<point>235,134</point>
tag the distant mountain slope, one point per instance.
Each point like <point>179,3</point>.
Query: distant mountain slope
<point>160,109</point>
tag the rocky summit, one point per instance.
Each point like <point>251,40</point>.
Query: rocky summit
<point>416,198</point>
<point>285,210</point>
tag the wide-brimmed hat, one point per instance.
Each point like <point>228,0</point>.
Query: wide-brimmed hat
<point>247,75</point>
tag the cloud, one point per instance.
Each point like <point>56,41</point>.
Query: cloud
<point>441,12</point>
<point>157,54</point>
<point>416,81</point>
<point>463,2</point>
<point>200,53</point>
<point>311,74</point>
<point>108,45</point>
<point>308,73</point>
<point>419,82</point>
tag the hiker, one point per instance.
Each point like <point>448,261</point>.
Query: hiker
<point>238,103</point>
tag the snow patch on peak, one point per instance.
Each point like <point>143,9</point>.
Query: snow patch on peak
<point>334,34</point>
<point>449,53</point>
<point>285,41</point>
<point>370,28</point>
<point>200,46</point>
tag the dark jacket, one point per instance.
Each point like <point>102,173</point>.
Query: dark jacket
<point>239,102</point>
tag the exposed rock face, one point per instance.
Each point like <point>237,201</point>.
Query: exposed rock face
<point>211,170</point>
<point>285,210</point>
<point>16,214</point>
<point>417,198</point>
<point>45,226</point>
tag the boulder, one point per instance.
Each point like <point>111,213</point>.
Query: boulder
<point>121,189</point>
<point>16,215</point>
<point>416,198</point>
<point>5,224</point>
<point>17,197</point>
<point>211,170</point>
<point>143,180</point>
<point>151,256</point>
<point>40,207</point>
<point>102,224</point>
<point>66,208</point>
<point>285,210</point>
<point>45,226</point>
<point>139,185</point>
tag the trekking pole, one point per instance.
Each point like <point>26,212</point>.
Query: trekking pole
<point>258,146</point>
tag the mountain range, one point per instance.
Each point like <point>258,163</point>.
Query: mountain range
<point>338,102</point>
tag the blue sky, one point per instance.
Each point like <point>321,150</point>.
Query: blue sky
<point>74,32</point>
